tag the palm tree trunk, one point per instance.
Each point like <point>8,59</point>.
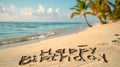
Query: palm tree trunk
<point>103,22</point>
<point>87,21</point>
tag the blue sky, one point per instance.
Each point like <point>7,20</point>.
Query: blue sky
<point>38,11</point>
<point>62,4</point>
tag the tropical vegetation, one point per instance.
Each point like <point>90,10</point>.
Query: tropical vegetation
<point>103,9</point>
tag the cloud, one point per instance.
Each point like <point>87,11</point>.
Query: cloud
<point>3,9</point>
<point>12,9</point>
<point>41,9</point>
<point>27,11</point>
<point>57,10</point>
<point>66,14</point>
<point>28,14</point>
<point>50,10</point>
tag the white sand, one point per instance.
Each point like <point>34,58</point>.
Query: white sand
<point>93,37</point>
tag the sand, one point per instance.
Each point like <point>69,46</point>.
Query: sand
<point>97,41</point>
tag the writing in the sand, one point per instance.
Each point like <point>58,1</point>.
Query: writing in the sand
<point>81,54</point>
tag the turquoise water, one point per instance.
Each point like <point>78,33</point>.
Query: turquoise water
<point>10,30</point>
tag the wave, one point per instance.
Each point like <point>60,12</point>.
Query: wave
<point>27,38</point>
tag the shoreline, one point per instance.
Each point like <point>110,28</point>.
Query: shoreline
<point>40,37</point>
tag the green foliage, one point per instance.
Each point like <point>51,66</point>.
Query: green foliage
<point>116,12</point>
<point>80,8</point>
<point>100,8</point>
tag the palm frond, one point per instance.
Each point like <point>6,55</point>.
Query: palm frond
<point>78,1</point>
<point>75,14</point>
<point>111,4</point>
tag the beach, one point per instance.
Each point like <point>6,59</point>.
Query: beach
<point>97,46</point>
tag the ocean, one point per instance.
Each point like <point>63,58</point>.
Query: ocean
<point>10,31</point>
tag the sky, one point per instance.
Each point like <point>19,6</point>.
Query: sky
<point>38,11</point>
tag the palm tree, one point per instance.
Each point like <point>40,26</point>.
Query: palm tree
<point>80,10</point>
<point>101,8</point>
<point>116,11</point>
<point>113,14</point>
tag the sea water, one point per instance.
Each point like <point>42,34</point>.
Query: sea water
<point>10,30</point>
